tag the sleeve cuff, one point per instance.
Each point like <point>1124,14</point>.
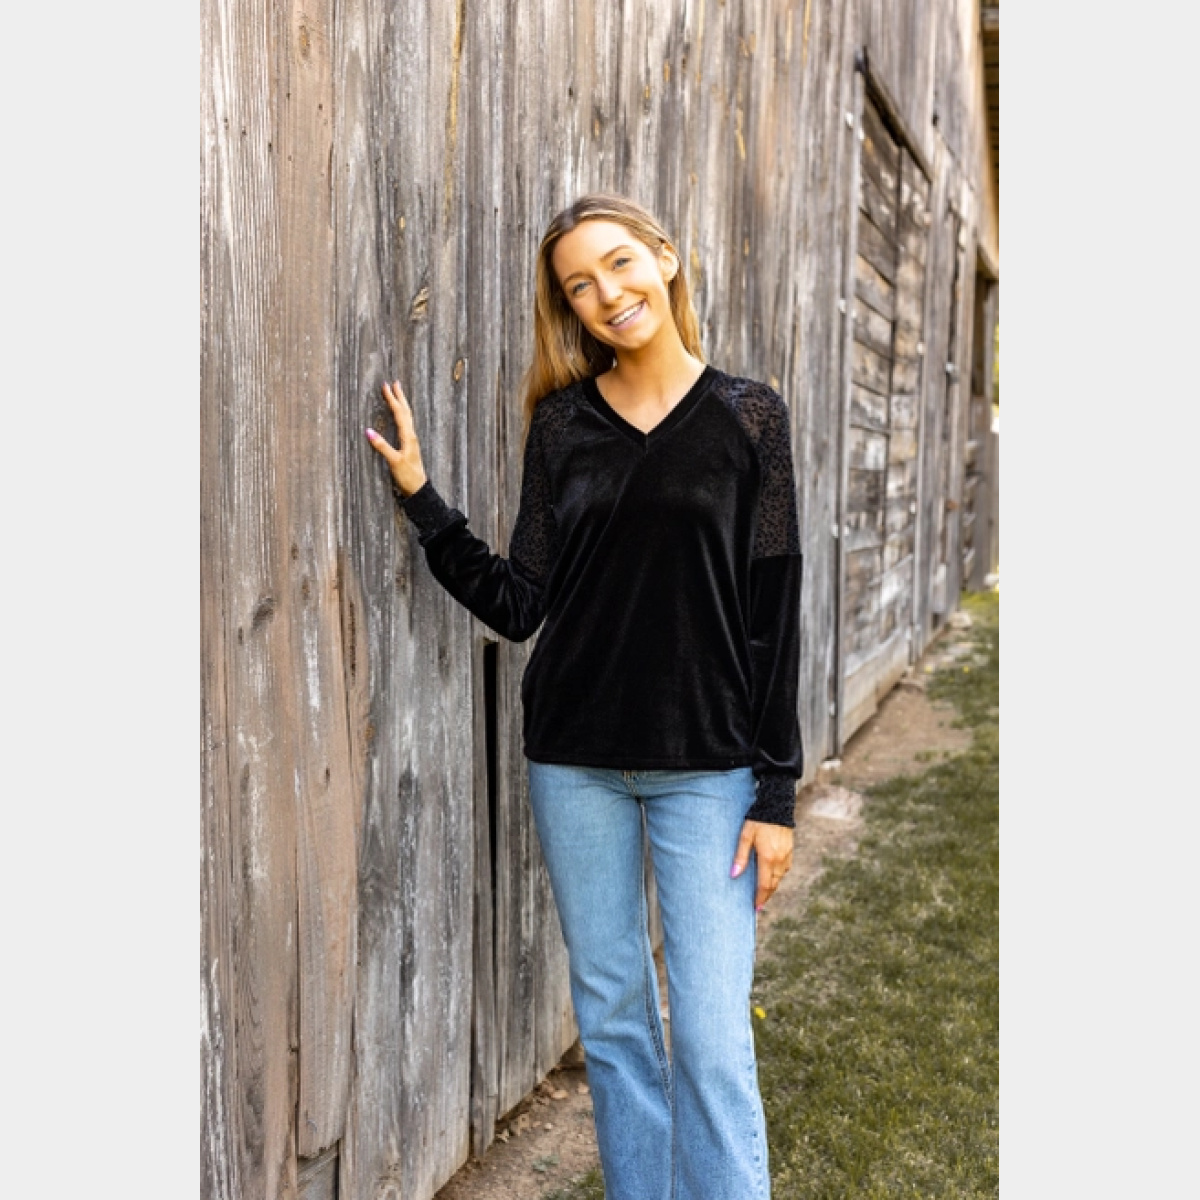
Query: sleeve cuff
<point>776,801</point>
<point>426,509</point>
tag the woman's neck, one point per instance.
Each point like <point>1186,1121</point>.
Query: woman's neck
<point>659,373</point>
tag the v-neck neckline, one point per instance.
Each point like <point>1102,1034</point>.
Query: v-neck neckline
<point>643,437</point>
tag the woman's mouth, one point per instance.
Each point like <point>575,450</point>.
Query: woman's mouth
<point>626,315</point>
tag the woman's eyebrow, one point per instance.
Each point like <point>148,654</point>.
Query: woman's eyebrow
<point>606,254</point>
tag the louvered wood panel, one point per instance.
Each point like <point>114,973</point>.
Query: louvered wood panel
<point>882,465</point>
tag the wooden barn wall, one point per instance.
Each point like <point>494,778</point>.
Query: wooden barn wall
<point>382,971</point>
<point>926,60</point>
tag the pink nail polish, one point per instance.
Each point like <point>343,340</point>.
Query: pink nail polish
<point>737,870</point>
<point>372,434</point>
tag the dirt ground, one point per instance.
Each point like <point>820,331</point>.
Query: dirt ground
<point>549,1139</point>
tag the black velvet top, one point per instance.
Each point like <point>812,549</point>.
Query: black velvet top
<point>663,571</point>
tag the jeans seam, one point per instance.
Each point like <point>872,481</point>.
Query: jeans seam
<point>760,1150</point>
<point>650,985</point>
<point>650,991</point>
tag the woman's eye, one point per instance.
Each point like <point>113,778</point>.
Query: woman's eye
<point>578,287</point>
<point>620,262</point>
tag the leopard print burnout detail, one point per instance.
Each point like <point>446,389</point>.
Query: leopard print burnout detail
<point>534,542</point>
<point>762,413</point>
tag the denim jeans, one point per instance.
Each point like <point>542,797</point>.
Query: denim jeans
<point>688,1125</point>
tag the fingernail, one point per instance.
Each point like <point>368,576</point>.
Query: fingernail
<point>372,434</point>
<point>759,907</point>
<point>737,870</point>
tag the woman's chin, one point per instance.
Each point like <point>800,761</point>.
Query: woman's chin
<point>640,334</point>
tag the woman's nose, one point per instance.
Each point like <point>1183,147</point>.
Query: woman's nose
<point>608,289</point>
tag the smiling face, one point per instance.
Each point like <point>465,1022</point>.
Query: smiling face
<point>615,284</point>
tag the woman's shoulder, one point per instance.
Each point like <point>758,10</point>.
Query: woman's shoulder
<point>560,400</point>
<point>755,404</point>
<point>553,413</point>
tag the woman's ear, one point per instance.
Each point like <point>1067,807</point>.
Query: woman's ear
<point>668,263</point>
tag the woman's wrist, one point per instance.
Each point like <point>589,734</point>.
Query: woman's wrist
<point>409,484</point>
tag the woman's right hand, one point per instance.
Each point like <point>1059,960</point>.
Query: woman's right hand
<point>404,463</point>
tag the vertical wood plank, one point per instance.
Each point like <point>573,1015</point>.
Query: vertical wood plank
<point>842,581</point>
<point>251,965</point>
<point>307,503</point>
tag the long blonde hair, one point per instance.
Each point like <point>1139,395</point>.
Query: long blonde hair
<point>563,350</point>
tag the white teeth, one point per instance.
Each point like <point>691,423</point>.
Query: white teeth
<point>621,318</point>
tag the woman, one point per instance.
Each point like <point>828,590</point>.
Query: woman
<point>656,548</point>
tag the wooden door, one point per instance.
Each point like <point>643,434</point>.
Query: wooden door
<point>880,469</point>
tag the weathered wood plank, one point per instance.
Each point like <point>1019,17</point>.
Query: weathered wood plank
<point>908,343</point>
<point>986,483</point>
<point>252,959</point>
<point>817,50</point>
<point>913,220</point>
<point>410,1110</point>
<point>897,548</point>
<point>874,289</point>
<point>902,445</point>
<point>881,156</point>
<point>864,504</point>
<point>906,374</point>
<point>879,206</point>
<point>910,294</point>
<point>868,409</point>
<point>872,329</point>
<point>901,479</point>
<point>863,537</point>
<point>863,568</point>
<point>870,369</point>
<point>936,529</point>
<point>877,250</point>
<point>371,312</point>
<point>868,450</point>
<point>872,673</point>
<point>322,773</point>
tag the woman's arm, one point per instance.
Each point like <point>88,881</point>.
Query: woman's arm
<point>507,594</point>
<point>775,658</point>
<point>774,628</point>
<point>774,620</point>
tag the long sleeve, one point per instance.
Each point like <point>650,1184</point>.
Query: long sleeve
<point>774,621</point>
<point>506,594</point>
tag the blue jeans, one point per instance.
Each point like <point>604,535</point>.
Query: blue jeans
<point>688,1126</point>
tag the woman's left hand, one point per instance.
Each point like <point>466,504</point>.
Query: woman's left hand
<point>773,846</point>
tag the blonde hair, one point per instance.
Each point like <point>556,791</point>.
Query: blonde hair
<point>563,350</point>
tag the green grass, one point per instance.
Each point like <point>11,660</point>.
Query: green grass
<point>879,1051</point>
<point>878,1056</point>
<point>588,1187</point>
